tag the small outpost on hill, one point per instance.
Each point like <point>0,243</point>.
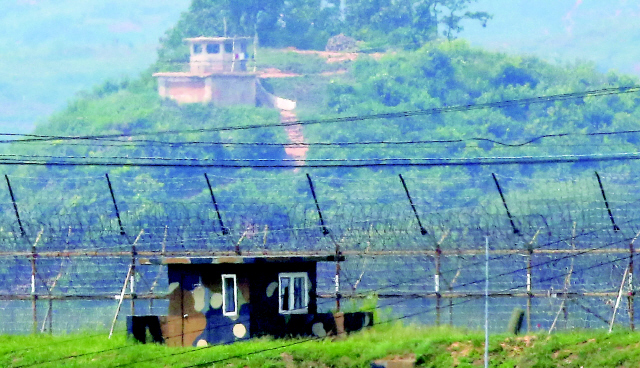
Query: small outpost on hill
<point>218,73</point>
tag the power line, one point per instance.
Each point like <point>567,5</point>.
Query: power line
<point>325,163</point>
<point>528,141</point>
<point>348,119</point>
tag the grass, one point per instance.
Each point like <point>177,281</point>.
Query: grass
<point>433,347</point>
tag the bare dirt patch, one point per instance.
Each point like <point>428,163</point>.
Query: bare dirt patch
<point>516,345</point>
<point>459,350</point>
<point>276,73</point>
<point>336,56</point>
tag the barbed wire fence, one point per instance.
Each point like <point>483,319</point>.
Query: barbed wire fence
<point>562,250</point>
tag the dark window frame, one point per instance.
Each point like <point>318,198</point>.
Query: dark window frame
<point>234,311</point>
<point>213,48</point>
<point>293,293</point>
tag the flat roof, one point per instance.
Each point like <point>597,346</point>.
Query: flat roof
<point>203,75</point>
<point>215,39</point>
<point>231,259</point>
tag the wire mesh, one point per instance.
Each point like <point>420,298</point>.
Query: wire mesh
<point>560,253</point>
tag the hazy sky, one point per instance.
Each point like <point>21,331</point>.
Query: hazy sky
<point>605,32</point>
<point>51,49</point>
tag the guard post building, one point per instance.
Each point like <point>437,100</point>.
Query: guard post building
<point>222,299</point>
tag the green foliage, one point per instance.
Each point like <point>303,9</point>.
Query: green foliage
<point>432,347</point>
<point>409,24</point>
<point>306,24</point>
<point>452,74</point>
<point>437,75</point>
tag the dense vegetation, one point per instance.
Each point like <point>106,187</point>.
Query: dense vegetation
<point>308,24</point>
<point>440,73</point>
<point>437,75</point>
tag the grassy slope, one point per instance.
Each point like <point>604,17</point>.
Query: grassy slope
<point>432,347</point>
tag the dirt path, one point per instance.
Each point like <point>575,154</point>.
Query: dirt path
<point>295,151</point>
<point>298,150</point>
<point>277,73</point>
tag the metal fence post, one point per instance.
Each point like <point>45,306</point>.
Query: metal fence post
<point>632,292</point>
<point>486,302</point>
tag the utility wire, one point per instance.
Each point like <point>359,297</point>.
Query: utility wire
<point>172,144</point>
<point>324,163</point>
<point>348,119</point>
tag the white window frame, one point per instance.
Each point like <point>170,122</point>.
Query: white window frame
<point>235,295</point>
<point>305,293</point>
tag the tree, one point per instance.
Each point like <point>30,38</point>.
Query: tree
<point>410,23</point>
<point>303,23</point>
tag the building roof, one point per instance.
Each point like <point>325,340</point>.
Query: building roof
<point>215,39</point>
<point>233,259</point>
<point>203,75</point>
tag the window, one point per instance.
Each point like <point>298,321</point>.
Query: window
<point>229,295</point>
<point>228,47</point>
<point>213,48</point>
<point>294,293</point>
<point>197,48</point>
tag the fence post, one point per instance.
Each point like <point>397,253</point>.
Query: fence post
<point>34,296</point>
<point>32,257</point>
<point>529,273</point>
<point>15,207</point>
<point>504,203</point>
<point>606,203</point>
<point>486,302</point>
<point>115,205</point>
<point>529,293</point>
<point>325,231</point>
<point>155,281</point>
<point>437,283</point>
<point>224,230</point>
<point>132,287</point>
<point>423,231</point>
<point>632,293</point>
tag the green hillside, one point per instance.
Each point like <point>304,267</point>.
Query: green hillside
<point>437,75</point>
<point>54,49</point>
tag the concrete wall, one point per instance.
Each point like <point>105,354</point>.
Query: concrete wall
<point>183,89</point>
<point>229,90</point>
<point>221,89</point>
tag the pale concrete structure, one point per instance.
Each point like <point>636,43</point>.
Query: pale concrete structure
<point>217,73</point>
